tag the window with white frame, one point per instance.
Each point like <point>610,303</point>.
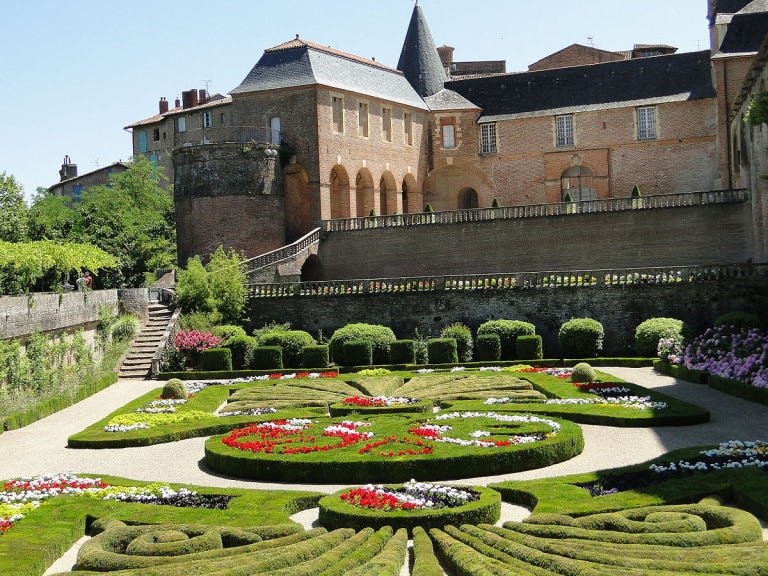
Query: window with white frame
<point>337,113</point>
<point>362,118</point>
<point>646,123</point>
<point>488,138</point>
<point>564,130</point>
<point>449,136</point>
<point>181,124</point>
<point>207,121</point>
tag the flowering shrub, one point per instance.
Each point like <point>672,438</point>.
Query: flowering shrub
<point>670,347</point>
<point>191,343</point>
<point>739,354</point>
<point>412,496</point>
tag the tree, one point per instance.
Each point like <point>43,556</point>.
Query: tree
<point>13,224</point>
<point>51,217</point>
<point>217,289</point>
<point>132,219</point>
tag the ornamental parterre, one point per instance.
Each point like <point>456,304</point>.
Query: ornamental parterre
<point>377,401</point>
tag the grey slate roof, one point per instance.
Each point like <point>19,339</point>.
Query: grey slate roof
<point>727,7</point>
<point>746,32</point>
<point>656,79</point>
<point>302,63</point>
<point>419,59</point>
<point>448,100</point>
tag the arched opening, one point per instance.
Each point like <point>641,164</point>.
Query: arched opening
<point>388,200</point>
<point>340,207</point>
<point>312,269</point>
<point>467,199</point>
<point>410,196</point>
<point>298,213</point>
<point>364,200</point>
<point>577,181</point>
<point>383,193</point>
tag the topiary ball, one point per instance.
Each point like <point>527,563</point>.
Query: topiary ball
<point>583,372</point>
<point>174,388</point>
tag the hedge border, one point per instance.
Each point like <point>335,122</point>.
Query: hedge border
<point>340,409</point>
<point>334,513</point>
<point>726,385</point>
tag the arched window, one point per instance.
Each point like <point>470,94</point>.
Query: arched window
<point>577,181</point>
<point>468,199</point>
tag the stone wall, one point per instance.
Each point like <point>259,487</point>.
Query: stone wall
<point>20,316</point>
<point>619,308</point>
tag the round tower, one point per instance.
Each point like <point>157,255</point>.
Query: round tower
<point>228,195</point>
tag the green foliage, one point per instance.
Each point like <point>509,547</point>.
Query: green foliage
<point>757,112</point>
<point>648,334</point>
<point>508,331</point>
<point>442,351</point>
<point>267,358</point>
<point>529,347</point>
<point>133,220</point>
<point>463,336</point>
<point>428,207</point>
<point>291,341</point>
<point>217,289</point>
<point>193,292</point>
<point>380,337</point>
<point>488,347</point>
<point>200,321</point>
<point>126,327</point>
<point>227,331</point>
<point>583,372</point>
<point>174,388</point>
<point>420,347</point>
<point>215,359</point>
<point>739,320</point>
<point>22,264</point>
<point>107,318</point>
<point>495,203</point>
<point>402,352</point>
<point>227,282</point>
<point>13,224</point>
<point>316,356</point>
<point>51,218</point>
<point>581,338</point>
<point>242,349</point>
<point>636,191</point>
<point>358,353</point>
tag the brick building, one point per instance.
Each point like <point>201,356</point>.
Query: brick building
<point>72,184</point>
<point>313,134</point>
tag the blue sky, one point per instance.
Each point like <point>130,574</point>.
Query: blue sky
<point>75,73</point>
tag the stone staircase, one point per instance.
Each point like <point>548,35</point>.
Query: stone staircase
<point>138,362</point>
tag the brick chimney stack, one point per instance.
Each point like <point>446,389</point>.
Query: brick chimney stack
<point>163,105</point>
<point>68,170</point>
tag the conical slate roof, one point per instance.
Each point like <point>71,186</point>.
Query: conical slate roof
<point>419,60</point>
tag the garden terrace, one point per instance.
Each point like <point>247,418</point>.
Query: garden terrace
<point>538,210</point>
<point>516,281</point>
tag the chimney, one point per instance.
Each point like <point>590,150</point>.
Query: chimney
<point>186,99</point>
<point>68,170</point>
<point>193,97</point>
<point>163,105</point>
<point>203,96</point>
<point>446,55</point>
<point>178,102</point>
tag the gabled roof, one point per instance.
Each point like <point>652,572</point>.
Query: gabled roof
<point>212,102</point>
<point>727,7</point>
<point>301,63</point>
<point>419,59</point>
<point>745,33</point>
<point>675,77</point>
<point>120,165</point>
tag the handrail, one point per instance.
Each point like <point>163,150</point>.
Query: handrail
<point>256,263</point>
<point>511,281</point>
<point>538,210</point>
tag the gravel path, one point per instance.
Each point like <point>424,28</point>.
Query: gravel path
<point>42,446</point>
